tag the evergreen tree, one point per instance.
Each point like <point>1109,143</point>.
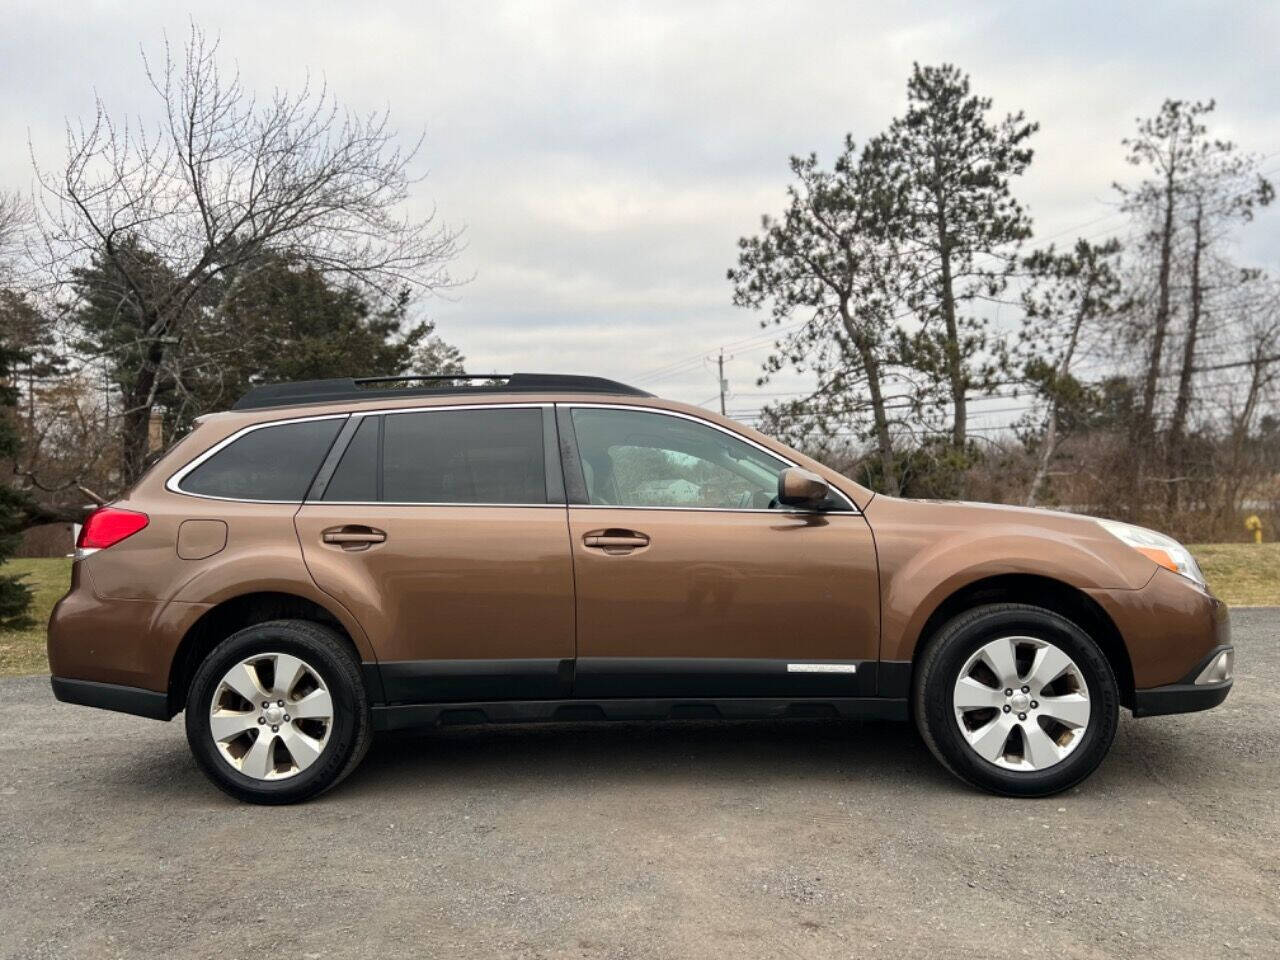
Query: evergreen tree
<point>15,595</point>
<point>957,224</point>
<point>827,259</point>
<point>274,319</point>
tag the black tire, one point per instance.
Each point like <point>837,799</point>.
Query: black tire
<point>350,733</point>
<point>939,667</point>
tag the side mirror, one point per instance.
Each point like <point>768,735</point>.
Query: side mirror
<point>800,488</point>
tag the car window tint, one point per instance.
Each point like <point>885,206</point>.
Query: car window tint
<point>356,479</point>
<point>464,456</point>
<point>636,459</point>
<point>270,463</point>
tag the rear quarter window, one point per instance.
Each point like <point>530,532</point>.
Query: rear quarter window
<point>273,463</point>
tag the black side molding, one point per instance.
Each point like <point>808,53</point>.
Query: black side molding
<point>407,716</point>
<point>111,696</point>
<point>430,681</point>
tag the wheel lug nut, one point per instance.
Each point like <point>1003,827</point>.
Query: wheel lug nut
<point>1026,689</point>
<point>1008,692</point>
<point>280,703</point>
<point>1034,705</point>
<point>264,719</point>
<point>275,728</point>
<point>1021,716</point>
<point>265,704</point>
<point>1006,710</point>
<point>286,716</point>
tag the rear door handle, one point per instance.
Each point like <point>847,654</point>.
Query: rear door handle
<point>353,537</point>
<point>615,541</point>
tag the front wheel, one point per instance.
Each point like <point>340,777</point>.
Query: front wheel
<point>277,713</point>
<point>1016,699</point>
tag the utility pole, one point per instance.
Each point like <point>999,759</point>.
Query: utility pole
<point>724,384</point>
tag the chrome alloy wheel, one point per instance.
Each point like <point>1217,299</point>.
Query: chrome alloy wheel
<point>271,716</point>
<point>1022,703</point>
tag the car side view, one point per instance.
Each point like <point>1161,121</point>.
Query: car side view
<point>336,557</point>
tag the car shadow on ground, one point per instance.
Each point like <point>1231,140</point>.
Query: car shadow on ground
<point>836,753</point>
<point>629,755</point>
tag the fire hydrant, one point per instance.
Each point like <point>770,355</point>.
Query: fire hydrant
<point>1253,524</point>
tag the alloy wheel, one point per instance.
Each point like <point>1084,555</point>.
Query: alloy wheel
<point>271,716</point>
<point>1022,703</point>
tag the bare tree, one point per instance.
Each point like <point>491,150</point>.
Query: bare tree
<point>1165,144</point>
<point>181,214</point>
<point>1223,188</point>
<point>15,220</point>
<point>1255,377</point>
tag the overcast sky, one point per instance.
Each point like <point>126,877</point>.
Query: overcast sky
<point>604,158</point>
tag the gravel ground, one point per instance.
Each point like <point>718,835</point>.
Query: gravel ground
<point>802,838</point>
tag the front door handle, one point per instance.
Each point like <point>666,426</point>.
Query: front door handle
<point>353,537</point>
<point>615,541</point>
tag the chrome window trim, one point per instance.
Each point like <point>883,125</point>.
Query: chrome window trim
<point>428,503</point>
<point>174,481</point>
<point>777,512</point>
<point>853,507</point>
<point>173,484</point>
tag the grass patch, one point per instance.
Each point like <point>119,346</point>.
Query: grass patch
<point>1239,573</point>
<point>22,651</point>
<point>1242,573</point>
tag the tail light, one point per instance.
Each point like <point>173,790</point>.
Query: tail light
<point>106,527</point>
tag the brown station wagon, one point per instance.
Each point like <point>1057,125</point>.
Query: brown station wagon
<point>336,557</point>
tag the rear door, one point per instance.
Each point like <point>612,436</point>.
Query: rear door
<point>443,530</point>
<point>692,582</point>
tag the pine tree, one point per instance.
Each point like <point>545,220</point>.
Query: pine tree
<point>957,223</point>
<point>827,259</point>
<point>15,595</point>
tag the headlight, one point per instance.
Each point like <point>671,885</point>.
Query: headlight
<point>1166,551</point>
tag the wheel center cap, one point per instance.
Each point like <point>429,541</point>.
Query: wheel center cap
<point>1020,702</point>
<point>273,714</point>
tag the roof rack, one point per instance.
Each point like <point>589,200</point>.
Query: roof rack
<point>366,388</point>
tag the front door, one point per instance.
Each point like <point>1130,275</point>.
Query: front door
<point>692,582</point>
<point>443,531</point>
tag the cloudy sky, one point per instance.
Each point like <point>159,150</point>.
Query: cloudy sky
<point>604,157</point>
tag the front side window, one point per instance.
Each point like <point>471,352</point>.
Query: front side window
<point>272,463</point>
<point>636,459</point>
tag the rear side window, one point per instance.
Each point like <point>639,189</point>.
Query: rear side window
<point>491,456</point>
<point>464,456</point>
<point>274,463</point>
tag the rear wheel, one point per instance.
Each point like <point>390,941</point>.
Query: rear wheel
<point>277,713</point>
<point>1016,699</point>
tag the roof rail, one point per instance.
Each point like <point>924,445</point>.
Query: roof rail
<point>366,388</point>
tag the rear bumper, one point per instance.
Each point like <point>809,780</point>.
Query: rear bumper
<point>1185,696</point>
<point>112,696</point>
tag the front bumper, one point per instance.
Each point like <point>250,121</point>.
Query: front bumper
<point>1187,695</point>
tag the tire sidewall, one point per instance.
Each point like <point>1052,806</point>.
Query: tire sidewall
<point>263,639</point>
<point>960,640</point>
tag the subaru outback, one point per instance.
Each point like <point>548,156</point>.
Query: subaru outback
<point>332,558</point>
